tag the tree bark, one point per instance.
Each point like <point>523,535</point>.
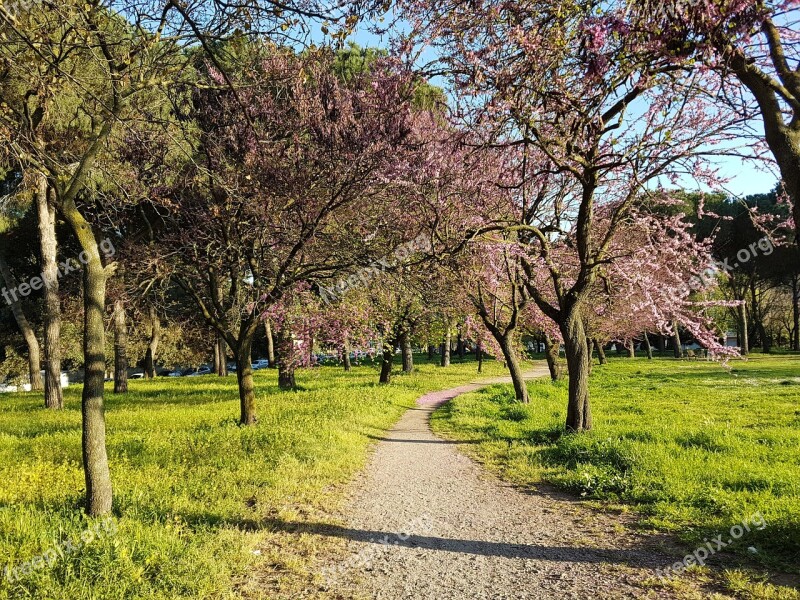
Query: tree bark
<point>346,355</point>
<point>99,492</point>
<point>601,354</point>
<point>408,356</point>
<point>270,344</point>
<point>478,355</point>
<point>34,360</point>
<point>386,362</point>
<point>286,376</point>
<point>244,379</point>
<point>284,360</point>
<point>589,346</point>
<point>506,343</point>
<point>551,354</point>
<point>744,341</point>
<point>460,347</point>
<point>445,358</point>
<point>661,345</point>
<point>120,348</point>
<point>796,313</point>
<point>648,348</point>
<point>676,340</point>
<point>631,349</point>
<point>431,349</point>
<point>579,415</point>
<point>152,344</point>
<point>220,356</point>
<point>48,246</point>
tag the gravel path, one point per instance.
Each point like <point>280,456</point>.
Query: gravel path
<point>425,521</point>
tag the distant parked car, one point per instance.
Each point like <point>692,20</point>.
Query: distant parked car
<point>136,376</point>
<point>261,363</point>
<point>203,370</point>
<point>231,367</point>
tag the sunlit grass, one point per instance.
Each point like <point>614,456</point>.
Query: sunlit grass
<point>694,447</point>
<point>195,494</point>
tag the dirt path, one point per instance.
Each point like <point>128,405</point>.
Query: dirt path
<point>425,521</point>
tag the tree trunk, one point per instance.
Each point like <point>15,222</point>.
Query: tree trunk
<point>346,355</point>
<point>631,349</point>
<point>661,345</point>
<point>445,358</point>
<point>48,245</point>
<point>152,344</point>
<point>460,347</point>
<point>431,349</point>
<point>286,376</point>
<point>220,356</point>
<point>244,378</point>
<point>648,348</point>
<point>95,458</point>
<point>589,346</point>
<point>386,362</point>
<point>796,313</point>
<point>512,361</point>
<point>601,354</point>
<point>408,356</point>
<point>479,355</point>
<point>34,360</point>
<point>551,352</point>
<point>579,416</point>
<point>676,340</point>
<point>744,341</point>
<point>270,344</point>
<point>120,348</point>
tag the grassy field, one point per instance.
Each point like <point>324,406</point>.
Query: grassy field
<point>692,446</point>
<point>195,494</point>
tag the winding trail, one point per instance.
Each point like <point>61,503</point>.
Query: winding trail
<point>425,521</point>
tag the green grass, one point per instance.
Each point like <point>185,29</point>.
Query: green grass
<point>195,493</point>
<point>695,448</point>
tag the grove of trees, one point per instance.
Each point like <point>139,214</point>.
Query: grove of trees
<point>222,179</point>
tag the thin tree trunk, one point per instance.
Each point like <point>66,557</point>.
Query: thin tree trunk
<point>408,356</point>
<point>285,360</point>
<point>48,245</point>
<point>152,344</point>
<point>479,355</point>
<point>676,340</point>
<point>796,313</point>
<point>99,492</point>
<point>744,341</point>
<point>445,358</point>
<point>551,354</point>
<point>601,353</point>
<point>589,355</point>
<point>648,348</point>
<point>10,293</point>
<point>579,415</point>
<point>386,362</point>
<point>631,349</point>
<point>431,349</point>
<point>244,379</point>
<point>512,362</point>
<point>661,345</point>
<point>270,344</point>
<point>120,348</point>
<point>346,355</point>
<point>220,355</point>
<point>460,347</point>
